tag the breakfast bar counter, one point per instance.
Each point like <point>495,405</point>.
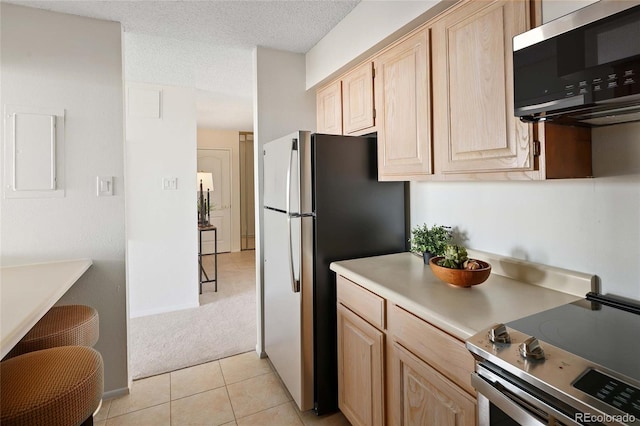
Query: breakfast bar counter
<point>27,292</point>
<point>514,289</point>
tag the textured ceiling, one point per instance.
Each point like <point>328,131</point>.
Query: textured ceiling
<point>208,44</point>
<point>292,25</point>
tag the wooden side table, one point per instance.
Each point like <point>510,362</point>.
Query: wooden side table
<point>201,229</point>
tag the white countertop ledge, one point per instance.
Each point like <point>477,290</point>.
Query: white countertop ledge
<point>27,292</point>
<point>515,289</point>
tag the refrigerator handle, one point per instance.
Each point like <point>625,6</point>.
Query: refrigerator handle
<point>295,284</point>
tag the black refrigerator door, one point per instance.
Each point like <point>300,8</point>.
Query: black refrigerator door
<point>355,216</point>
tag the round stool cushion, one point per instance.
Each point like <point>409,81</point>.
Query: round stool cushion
<point>68,325</point>
<point>59,386</point>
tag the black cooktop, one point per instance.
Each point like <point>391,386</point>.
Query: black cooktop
<point>602,334</point>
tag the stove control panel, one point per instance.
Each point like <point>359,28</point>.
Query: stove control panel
<point>614,392</point>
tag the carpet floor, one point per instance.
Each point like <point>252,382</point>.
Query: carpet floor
<point>223,325</point>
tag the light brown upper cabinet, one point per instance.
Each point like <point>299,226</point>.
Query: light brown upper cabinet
<point>357,99</point>
<point>345,106</point>
<point>403,109</point>
<point>476,134</point>
<point>329,109</point>
<point>441,102</point>
<point>474,126</point>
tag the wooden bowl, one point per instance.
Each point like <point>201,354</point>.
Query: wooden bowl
<point>460,277</point>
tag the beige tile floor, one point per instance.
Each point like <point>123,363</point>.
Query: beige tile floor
<point>239,390</point>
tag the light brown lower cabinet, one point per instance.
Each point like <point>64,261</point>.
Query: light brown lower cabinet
<point>422,396</point>
<point>360,369</point>
<point>396,369</point>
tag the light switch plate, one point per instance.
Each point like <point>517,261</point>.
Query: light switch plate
<point>169,183</point>
<point>104,186</point>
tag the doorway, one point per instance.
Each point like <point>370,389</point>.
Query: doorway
<point>218,163</point>
<point>247,199</point>
<point>224,323</point>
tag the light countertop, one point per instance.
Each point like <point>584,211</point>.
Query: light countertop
<point>27,292</point>
<point>515,289</point>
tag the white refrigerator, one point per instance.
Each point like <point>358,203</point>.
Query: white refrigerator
<point>322,202</point>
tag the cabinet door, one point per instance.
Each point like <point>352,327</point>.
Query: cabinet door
<point>329,109</point>
<point>403,110</point>
<point>422,396</point>
<point>474,125</point>
<point>357,99</point>
<point>360,369</point>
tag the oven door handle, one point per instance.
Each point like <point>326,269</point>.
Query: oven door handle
<point>497,398</point>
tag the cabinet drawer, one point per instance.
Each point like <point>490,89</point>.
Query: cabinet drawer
<point>446,354</point>
<point>361,301</point>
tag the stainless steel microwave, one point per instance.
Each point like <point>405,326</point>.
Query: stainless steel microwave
<point>582,68</point>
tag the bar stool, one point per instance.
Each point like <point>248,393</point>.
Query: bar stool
<point>67,325</point>
<point>60,386</point>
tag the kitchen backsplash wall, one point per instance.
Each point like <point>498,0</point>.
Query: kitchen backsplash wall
<point>552,9</point>
<point>588,225</point>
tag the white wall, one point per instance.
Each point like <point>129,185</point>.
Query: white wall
<point>552,9</point>
<point>227,139</point>
<point>281,106</point>
<point>368,27</point>
<point>64,61</point>
<point>588,225</point>
<point>162,241</point>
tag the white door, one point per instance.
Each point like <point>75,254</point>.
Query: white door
<point>218,162</point>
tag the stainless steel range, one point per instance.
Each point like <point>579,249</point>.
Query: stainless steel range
<point>577,364</point>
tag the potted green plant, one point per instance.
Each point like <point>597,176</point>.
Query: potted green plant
<point>430,241</point>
